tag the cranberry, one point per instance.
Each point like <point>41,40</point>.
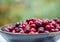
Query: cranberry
<point>10,27</point>
<point>52,30</point>
<point>58,21</point>
<point>23,25</point>
<point>33,29</point>
<point>56,30</point>
<point>46,22</point>
<point>33,25</point>
<point>52,27</point>
<point>17,29</point>
<point>13,31</point>
<point>38,24</point>
<point>54,23</point>
<point>31,32</point>
<point>41,29</point>
<point>31,22</point>
<point>47,27</point>
<point>17,24</point>
<point>27,29</point>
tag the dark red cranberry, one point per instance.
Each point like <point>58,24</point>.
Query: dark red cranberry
<point>33,25</point>
<point>33,29</point>
<point>52,30</point>
<point>17,24</point>
<point>57,26</point>
<point>47,27</point>
<point>41,29</point>
<point>17,29</point>
<point>58,21</point>
<point>27,29</point>
<point>38,24</point>
<point>56,30</point>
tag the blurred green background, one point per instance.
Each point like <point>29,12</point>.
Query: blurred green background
<point>12,11</point>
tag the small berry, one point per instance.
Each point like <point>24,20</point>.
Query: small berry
<point>54,23</point>
<point>52,30</point>
<point>33,25</point>
<point>31,22</point>
<point>13,31</point>
<point>33,29</point>
<point>47,27</point>
<point>41,29</point>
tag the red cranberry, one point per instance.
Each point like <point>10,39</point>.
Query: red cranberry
<point>23,25</point>
<point>46,22</point>
<point>13,31</point>
<point>33,25</point>
<point>31,32</point>
<point>33,29</point>
<point>31,22</point>
<point>52,30</point>
<point>41,29</point>
<point>47,27</point>
<point>54,23</point>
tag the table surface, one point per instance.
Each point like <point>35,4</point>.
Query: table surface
<point>3,40</point>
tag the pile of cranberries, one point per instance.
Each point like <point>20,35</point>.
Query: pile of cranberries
<point>34,26</point>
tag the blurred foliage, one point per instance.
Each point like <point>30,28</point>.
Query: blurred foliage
<point>12,11</point>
